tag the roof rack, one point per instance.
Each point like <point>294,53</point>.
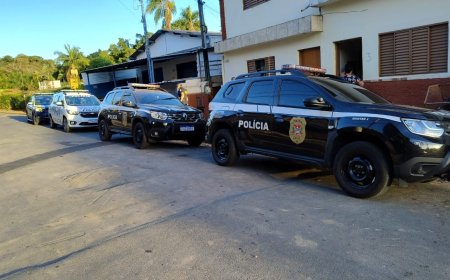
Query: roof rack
<point>65,91</point>
<point>269,72</point>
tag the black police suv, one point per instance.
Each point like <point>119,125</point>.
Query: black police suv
<point>37,107</point>
<point>148,113</point>
<point>326,122</point>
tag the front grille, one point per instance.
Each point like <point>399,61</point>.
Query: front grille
<point>183,117</point>
<point>89,115</point>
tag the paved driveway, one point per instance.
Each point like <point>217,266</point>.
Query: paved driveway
<point>73,207</point>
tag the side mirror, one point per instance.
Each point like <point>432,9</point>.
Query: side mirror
<point>129,104</point>
<point>59,103</point>
<point>30,103</point>
<point>317,102</point>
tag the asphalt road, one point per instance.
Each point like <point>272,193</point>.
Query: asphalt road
<point>73,207</point>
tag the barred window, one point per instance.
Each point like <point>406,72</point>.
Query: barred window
<point>261,64</point>
<point>251,3</point>
<point>414,51</point>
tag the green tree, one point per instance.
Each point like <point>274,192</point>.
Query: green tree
<point>71,58</point>
<point>121,51</point>
<point>99,59</point>
<point>162,10</point>
<point>189,20</point>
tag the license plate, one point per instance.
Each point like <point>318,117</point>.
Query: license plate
<point>185,128</point>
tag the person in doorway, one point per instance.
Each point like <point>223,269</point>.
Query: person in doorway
<point>182,94</point>
<point>350,76</point>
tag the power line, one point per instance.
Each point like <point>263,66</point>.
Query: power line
<point>127,8</point>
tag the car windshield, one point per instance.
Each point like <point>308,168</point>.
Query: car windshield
<point>43,99</point>
<point>348,92</point>
<point>158,98</point>
<point>82,101</point>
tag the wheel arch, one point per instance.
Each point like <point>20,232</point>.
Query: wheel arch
<point>350,136</point>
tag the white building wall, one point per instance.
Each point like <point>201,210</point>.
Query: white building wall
<point>345,19</point>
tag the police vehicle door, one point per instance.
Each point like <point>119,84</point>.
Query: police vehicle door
<point>113,111</point>
<point>255,114</point>
<point>58,110</point>
<point>126,111</point>
<point>30,105</point>
<point>301,129</point>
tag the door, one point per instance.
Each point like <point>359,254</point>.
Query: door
<point>126,111</point>
<point>310,57</point>
<point>114,111</point>
<point>300,130</point>
<point>30,107</point>
<point>255,114</point>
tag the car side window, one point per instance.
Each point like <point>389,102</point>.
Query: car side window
<point>128,96</point>
<point>232,92</point>
<point>261,92</point>
<point>294,93</point>
<point>108,99</point>
<point>116,99</point>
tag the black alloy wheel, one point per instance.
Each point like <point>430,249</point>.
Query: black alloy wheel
<point>223,148</point>
<point>362,170</point>
<point>139,137</point>
<point>103,130</point>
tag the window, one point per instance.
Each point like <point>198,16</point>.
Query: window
<point>233,91</point>
<point>414,51</point>
<point>261,92</point>
<point>251,3</point>
<point>109,98</point>
<point>128,97</point>
<point>261,64</point>
<point>116,99</point>
<point>293,93</point>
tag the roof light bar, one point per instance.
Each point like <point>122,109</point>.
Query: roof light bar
<point>137,85</point>
<point>304,68</point>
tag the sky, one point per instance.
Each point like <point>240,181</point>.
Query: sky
<point>41,27</point>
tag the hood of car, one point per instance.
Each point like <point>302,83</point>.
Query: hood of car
<point>84,109</point>
<point>169,108</point>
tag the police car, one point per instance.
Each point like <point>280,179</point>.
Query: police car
<point>148,113</point>
<point>302,114</point>
<point>73,109</point>
<point>37,107</point>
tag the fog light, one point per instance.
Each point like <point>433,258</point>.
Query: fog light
<point>73,123</point>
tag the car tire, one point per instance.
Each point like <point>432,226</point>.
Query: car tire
<point>223,148</point>
<point>140,139</point>
<point>362,170</point>
<point>66,126</point>
<point>103,130</point>
<point>36,120</point>
<point>195,141</point>
<point>52,123</point>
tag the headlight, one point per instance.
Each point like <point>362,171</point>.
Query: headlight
<point>38,109</point>
<point>72,112</point>
<point>201,116</point>
<point>425,128</point>
<point>158,115</point>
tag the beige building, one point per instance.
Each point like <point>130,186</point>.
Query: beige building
<point>399,47</point>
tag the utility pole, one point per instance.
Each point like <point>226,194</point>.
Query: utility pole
<point>151,76</point>
<point>204,31</point>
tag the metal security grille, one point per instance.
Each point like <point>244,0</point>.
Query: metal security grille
<point>261,64</point>
<point>251,3</point>
<point>414,51</point>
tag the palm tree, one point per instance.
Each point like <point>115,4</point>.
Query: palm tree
<point>189,20</point>
<point>163,9</point>
<point>70,62</point>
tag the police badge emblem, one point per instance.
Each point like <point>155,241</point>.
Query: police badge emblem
<point>297,130</point>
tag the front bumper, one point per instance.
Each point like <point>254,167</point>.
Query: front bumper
<point>43,115</point>
<point>82,121</point>
<point>419,169</point>
<point>160,130</point>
